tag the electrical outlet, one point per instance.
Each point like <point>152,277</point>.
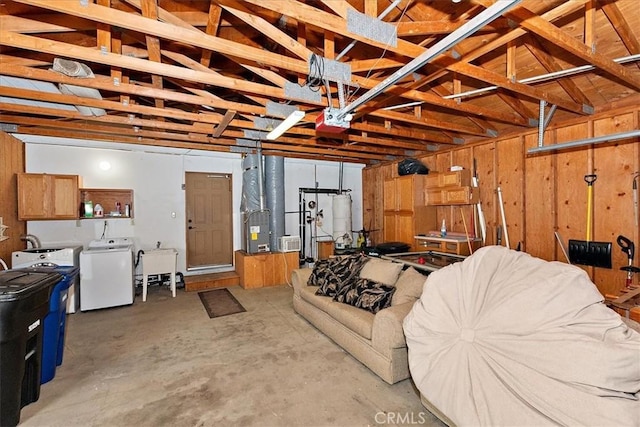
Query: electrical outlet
<point>596,254</point>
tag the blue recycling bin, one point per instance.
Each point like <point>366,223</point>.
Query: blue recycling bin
<point>24,300</point>
<point>55,322</point>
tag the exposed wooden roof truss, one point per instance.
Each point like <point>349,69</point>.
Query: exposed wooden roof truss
<point>201,74</point>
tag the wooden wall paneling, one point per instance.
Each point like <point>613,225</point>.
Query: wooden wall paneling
<point>463,157</point>
<point>613,199</point>
<point>571,189</point>
<point>371,191</point>
<point>443,163</point>
<point>510,154</point>
<point>539,202</point>
<point>12,161</point>
<point>485,159</point>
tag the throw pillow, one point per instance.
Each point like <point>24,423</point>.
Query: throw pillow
<point>409,286</point>
<point>319,273</point>
<point>381,271</point>
<point>340,273</point>
<point>373,296</point>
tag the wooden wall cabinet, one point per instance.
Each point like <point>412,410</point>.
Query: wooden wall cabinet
<point>450,188</point>
<point>405,213</point>
<point>47,196</point>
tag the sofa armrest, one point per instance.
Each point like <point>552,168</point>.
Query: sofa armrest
<point>387,330</point>
<point>300,277</point>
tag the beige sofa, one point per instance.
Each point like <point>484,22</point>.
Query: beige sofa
<point>376,340</point>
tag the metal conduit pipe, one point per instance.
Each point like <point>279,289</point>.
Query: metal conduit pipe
<point>543,77</point>
<point>533,79</point>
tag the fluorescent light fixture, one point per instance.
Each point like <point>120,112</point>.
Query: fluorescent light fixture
<point>286,124</point>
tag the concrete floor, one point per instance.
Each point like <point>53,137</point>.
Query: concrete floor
<point>165,363</point>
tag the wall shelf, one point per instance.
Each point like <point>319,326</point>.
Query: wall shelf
<point>107,198</point>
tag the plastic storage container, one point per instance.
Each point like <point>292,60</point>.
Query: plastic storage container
<point>55,321</point>
<point>24,302</point>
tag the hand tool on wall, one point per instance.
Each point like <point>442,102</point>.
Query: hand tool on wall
<point>587,252</point>
<point>627,246</point>
<point>561,243</point>
<point>589,179</point>
<point>504,219</point>
<point>634,187</point>
<point>481,221</point>
<point>466,231</point>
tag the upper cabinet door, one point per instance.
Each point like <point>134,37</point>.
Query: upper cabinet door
<point>45,196</point>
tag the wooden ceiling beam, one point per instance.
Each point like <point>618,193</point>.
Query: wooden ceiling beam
<point>213,24</point>
<point>68,50</point>
<point>108,105</point>
<point>197,38</point>
<point>264,27</point>
<point>149,10</point>
<point>560,38</point>
<point>228,116</point>
<point>170,32</point>
<point>622,27</point>
<point>45,23</point>
<point>85,130</point>
<point>433,27</point>
<point>105,83</point>
<point>549,63</point>
<point>471,51</point>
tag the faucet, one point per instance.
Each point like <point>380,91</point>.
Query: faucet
<point>30,238</point>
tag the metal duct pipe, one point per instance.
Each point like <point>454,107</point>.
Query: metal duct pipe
<point>274,192</point>
<point>340,175</point>
<point>260,180</point>
<point>250,184</point>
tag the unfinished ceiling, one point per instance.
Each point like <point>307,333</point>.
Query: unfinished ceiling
<point>220,74</point>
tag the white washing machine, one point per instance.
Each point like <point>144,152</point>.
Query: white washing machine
<point>53,256</point>
<point>106,274</point>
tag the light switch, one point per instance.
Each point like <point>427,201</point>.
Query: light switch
<point>173,214</point>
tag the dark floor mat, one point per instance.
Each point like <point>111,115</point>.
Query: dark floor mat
<point>220,302</point>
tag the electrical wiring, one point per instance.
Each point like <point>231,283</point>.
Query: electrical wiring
<point>316,68</point>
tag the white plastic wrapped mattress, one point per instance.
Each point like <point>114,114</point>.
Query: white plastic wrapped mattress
<point>506,339</point>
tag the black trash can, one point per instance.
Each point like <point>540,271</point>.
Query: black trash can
<point>24,302</point>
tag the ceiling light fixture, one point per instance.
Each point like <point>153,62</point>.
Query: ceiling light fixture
<point>286,124</point>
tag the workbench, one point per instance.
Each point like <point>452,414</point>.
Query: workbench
<point>449,244</point>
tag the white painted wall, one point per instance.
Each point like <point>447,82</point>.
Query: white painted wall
<point>156,177</point>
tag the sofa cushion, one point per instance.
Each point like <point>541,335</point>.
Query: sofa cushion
<point>381,271</point>
<point>408,287</point>
<point>359,321</point>
<point>339,273</point>
<point>308,293</point>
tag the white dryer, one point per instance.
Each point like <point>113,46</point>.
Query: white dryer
<point>53,256</point>
<point>106,274</point>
